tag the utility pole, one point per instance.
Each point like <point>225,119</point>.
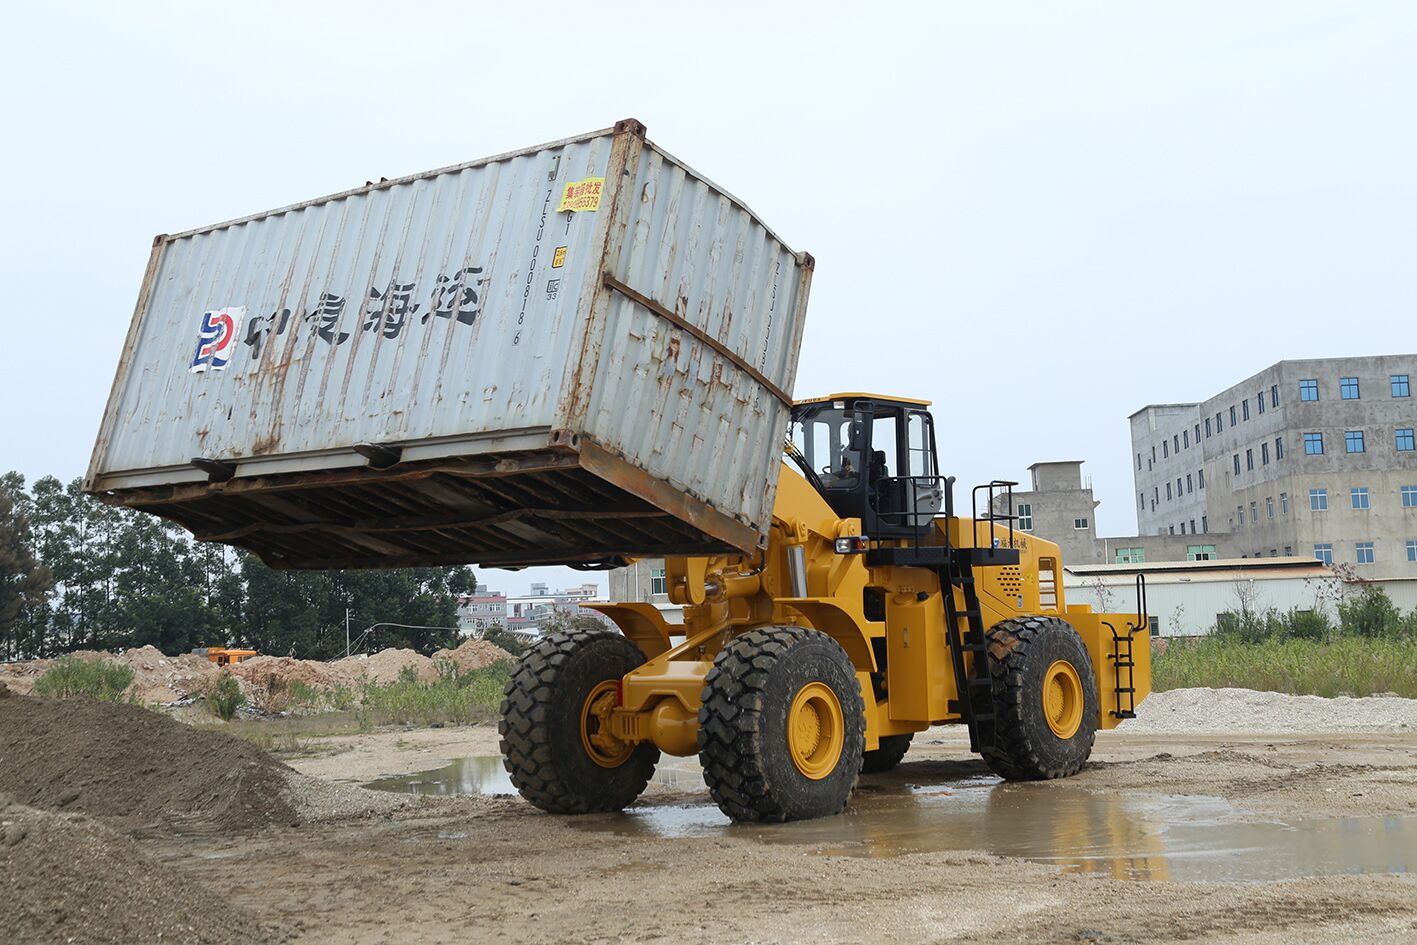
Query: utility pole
<point>347,613</point>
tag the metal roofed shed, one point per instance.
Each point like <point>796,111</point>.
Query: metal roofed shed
<point>565,354</point>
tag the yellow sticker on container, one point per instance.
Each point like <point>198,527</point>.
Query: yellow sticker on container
<point>558,258</point>
<point>581,195</point>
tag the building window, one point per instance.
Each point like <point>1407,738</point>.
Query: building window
<point>1348,388</point>
<point>1141,501</point>
<point>1205,525</point>
<point>1259,401</point>
<point>1193,526</point>
<point>1176,443</point>
<point>1186,438</point>
<point>1254,512</point>
<point>1308,390</point>
<point>1239,516</point>
<point>1170,529</point>
<point>1168,491</point>
<point>1274,395</point>
<point>1404,440</point>
<point>1178,487</point>
<point>1245,408</point>
<point>1412,549</point>
<point>657,582</point>
<point>1130,556</point>
<point>1218,424</point>
<point>1198,434</point>
<point>1318,500</point>
<point>1237,464</point>
<point>1249,460</point>
<point>1232,416</point>
<point>1269,506</point>
<point>1264,454</point>
<point>1025,517</point>
<point>1207,428</point>
<point>1400,387</point>
<point>1190,484</point>
<point>1200,478</point>
<point>1165,449</point>
<point>1200,552</point>
<point>1288,550</point>
<point>1278,448</point>
<point>1079,523</point>
<point>1183,528</point>
<point>1284,503</point>
<point>1360,497</point>
<point>1409,497</point>
<point>1365,552</point>
<point>1314,444</point>
<point>1353,441</point>
<point>1324,552</point>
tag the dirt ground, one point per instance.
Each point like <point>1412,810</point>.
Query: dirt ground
<point>492,869</point>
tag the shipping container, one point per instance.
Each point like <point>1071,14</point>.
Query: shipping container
<point>564,354</point>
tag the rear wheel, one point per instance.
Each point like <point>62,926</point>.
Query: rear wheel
<point>782,728</point>
<point>1045,699</point>
<point>556,744</point>
<point>892,750</point>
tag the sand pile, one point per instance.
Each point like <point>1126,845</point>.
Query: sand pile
<point>1195,711</point>
<point>137,766</point>
<point>386,665</point>
<point>66,878</point>
<point>474,654</point>
<point>157,679</point>
<point>312,673</point>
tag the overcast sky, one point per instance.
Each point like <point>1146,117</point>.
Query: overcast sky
<point>1041,216</point>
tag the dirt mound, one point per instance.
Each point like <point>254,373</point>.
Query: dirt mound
<point>312,673</point>
<point>474,654</point>
<point>65,878</point>
<point>386,665</point>
<point>1245,710</point>
<point>157,679</point>
<point>138,766</point>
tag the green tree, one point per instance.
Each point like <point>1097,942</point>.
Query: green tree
<point>24,582</point>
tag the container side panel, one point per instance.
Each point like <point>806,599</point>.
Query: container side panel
<point>436,309</point>
<point>667,401</point>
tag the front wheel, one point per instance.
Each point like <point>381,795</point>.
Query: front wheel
<point>554,743</point>
<point>1045,699</point>
<point>782,727</point>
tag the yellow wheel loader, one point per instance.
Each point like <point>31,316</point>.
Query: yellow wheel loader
<point>873,613</point>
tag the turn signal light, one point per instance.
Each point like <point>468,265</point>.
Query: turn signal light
<point>852,545</point>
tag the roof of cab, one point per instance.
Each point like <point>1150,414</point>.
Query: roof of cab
<point>858,396</point>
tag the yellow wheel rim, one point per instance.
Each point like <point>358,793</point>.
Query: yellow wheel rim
<point>604,748</point>
<point>1062,698</point>
<point>815,730</point>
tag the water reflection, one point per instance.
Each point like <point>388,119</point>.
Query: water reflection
<point>1136,835</point>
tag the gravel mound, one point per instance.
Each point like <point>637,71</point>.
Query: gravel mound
<point>136,766</point>
<point>313,673</point>
<point>66,878</point>
<point>474,654</point>
<point>385,666</point>
<point>1194,711</point>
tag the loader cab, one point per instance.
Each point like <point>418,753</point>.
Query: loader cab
<point>873,458</point>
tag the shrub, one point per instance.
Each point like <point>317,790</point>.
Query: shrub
<point>1369,614</point>
<point>470,696</point>
<point>68,677</point>
<point>1344,665</point>
<point>224,697</point>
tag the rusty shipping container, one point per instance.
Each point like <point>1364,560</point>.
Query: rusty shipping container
<point>558,355</point>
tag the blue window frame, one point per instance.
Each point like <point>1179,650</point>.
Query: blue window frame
<point>1353,441</point>
<point>1309,390</point>
<point>1405,441</point>
<point>1324,552</point>
<point>1348,388</point>
<point>1314,444</point>
<point>1400,387</point>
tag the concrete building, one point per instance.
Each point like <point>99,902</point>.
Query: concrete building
<point>1312,458</point>
<point>528,612</point>
<point>481,609</point>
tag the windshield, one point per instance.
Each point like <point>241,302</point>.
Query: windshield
<point>832,440</point>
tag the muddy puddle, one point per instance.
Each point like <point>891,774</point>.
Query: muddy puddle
<point>1139,835</point>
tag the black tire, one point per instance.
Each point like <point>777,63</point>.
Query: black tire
<point>541,740</point>
<point>892,750</point>
<point>1025,747</point>
<point>743,741</point>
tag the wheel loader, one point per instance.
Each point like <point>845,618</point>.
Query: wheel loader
<point>874,612</point>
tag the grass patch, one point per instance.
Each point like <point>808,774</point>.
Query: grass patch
<point>69,677</point>
<point>457,697</point>
<point>1347,665</point>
